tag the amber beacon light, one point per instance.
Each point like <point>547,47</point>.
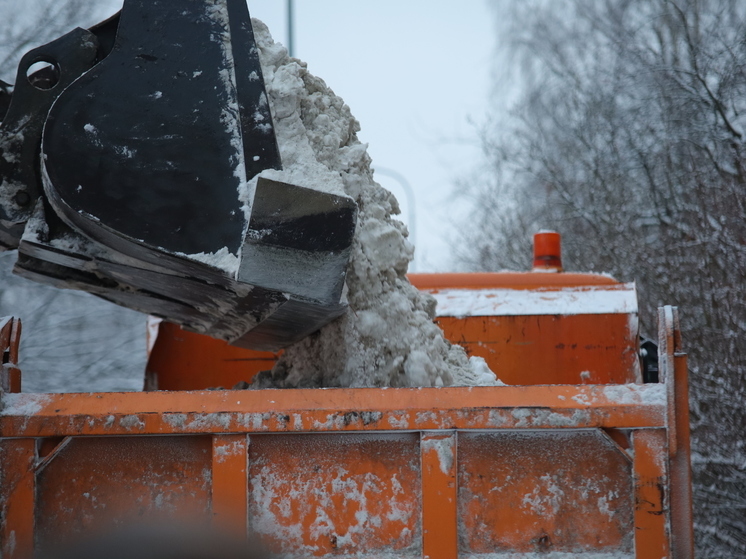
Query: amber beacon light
<point>547,251</point>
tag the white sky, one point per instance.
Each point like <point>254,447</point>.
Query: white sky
<point>414,72</point>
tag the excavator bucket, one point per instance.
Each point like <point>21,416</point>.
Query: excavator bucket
<point>127,168</point>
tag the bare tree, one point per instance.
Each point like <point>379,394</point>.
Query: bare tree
<point>629,139</point>
<point>25,25</point>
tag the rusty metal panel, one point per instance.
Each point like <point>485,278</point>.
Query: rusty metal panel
<point>336,495</point>
<point>100,482</point>
<point>541,492</point>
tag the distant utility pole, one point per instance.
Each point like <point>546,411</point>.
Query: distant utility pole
<point>291,45</point>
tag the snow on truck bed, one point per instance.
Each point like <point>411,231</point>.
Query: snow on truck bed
<point>387,337</point>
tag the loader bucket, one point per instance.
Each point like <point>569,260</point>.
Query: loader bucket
<point>133,176</point>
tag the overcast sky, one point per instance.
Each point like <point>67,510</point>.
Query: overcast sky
<point>414,73</point>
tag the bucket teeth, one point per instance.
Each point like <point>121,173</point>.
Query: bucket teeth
<point>129,178</point>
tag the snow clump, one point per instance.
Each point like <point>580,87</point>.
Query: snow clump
<point>387,337</point>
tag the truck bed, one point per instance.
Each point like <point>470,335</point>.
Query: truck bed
<point>596,471</point>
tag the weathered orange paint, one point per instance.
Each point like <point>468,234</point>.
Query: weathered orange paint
<point>652,514</point>
<point>96,483</point>
<point>682,516</point>
<point>528,492</point>
<point>374,472</point>
<point>327,495</point>
<point>341,409</point>
<point>439,494</point>
<point>230,504</point>
<point>507,280</point>
<point>550,349</point>
<point>543,349</point>
<point>182,360</point>
<point>17,497</point>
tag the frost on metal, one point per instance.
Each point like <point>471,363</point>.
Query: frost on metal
<point>605,299</point>
<point>354,495</point>
<point>23,404</point>
<point>537,507</point>
<point>443,447</point>
<point>649,394</point>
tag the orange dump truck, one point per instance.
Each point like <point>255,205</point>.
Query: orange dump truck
<point>576,456</point>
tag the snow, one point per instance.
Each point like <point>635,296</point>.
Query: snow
<point>546,497</point>
<point>223,259</point>
<point>648,394</point>
<point>131,422</point>
<point>444,448</point>
<point>387,337</point>
<point>8,149</point>
<point>22,404</point>
<point>513,302</point>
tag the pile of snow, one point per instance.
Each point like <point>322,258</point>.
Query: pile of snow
<point>387,337</point>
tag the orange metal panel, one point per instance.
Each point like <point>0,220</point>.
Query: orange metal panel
<point>439,495</point>
<point>17,489</point>
<point>507,280</point>
<point>682,516</point>
<point>651,494</point>
<point>550,349</point>
<point>182,360</point>
<point>10,378</point>
<point>673,368</point>
<point>336,494</point>
<point>541,492</point>
<point>358,409</point>
<point>230,505</point>
<point>99,482</point>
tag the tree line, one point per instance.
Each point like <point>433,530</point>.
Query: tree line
<point>628,138</point>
